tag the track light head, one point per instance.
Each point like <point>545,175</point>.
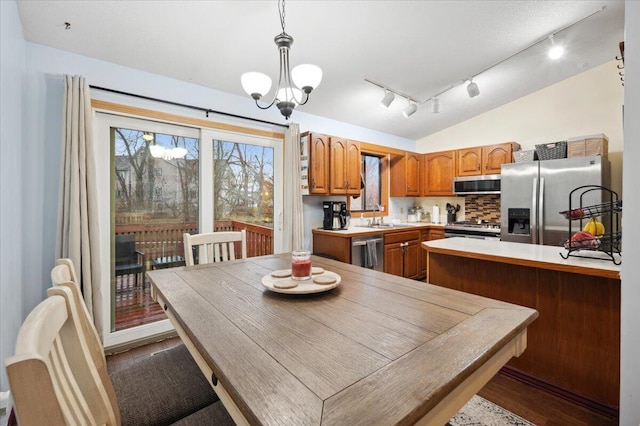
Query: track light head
<point>435,106</point>
<point>410,110</point>
<point>388,98</point>
<point>556,50</point>
<point>472,89</point>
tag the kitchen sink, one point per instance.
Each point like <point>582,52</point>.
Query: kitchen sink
<point>388,225</point>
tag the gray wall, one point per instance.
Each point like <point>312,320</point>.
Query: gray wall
<point>630,364</point>
<point>12,65</point>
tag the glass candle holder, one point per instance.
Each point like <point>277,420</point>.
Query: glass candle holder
<point>301,265</point>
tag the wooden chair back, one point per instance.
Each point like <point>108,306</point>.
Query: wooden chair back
<point>52,375</point>
<point>214,247</point>
<point>64,275</point>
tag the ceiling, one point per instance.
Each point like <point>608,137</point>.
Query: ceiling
<point>419,48</point>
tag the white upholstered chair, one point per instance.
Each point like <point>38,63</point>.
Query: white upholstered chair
<point>214,247</point>
<point>160,389</point>
<point>54,379</point>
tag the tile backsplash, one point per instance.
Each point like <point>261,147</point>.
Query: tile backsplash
<point>482,207</point>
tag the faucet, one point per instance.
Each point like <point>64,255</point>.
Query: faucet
<point>376,207</point>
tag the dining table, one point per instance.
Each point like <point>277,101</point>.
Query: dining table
<point>371,349</point>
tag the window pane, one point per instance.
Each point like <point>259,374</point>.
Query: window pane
<point>372,181</point>
<point>243,179</point>
<point>156,200</point>
<point>371,194</point>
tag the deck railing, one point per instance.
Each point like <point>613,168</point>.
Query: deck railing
<point>165,239</point>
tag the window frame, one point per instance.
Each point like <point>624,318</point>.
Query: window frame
<point>385,161</point>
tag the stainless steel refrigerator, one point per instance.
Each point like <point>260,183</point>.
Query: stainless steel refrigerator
<point>533,194</point>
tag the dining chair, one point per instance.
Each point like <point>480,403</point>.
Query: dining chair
<point>54,379</point>
<point>214,247</point>
<point>171,376</point>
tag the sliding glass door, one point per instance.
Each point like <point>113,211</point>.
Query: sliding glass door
<point>158,181</point>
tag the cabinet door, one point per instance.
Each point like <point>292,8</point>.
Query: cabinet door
<point>353,168</point>
<point>318,164</point>
<point>494,156</point>
<point>413,161</point>
<point>436,234</point>
<point>422,254</point>
<point>410,253</point>
<point>469,161</point>
<point>440,169</point>
<point>337,170</point>
<point>393,259</point>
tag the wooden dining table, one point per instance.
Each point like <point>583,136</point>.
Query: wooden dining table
<point>377,349</point>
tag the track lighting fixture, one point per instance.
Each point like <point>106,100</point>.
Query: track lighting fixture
<point>435,105</point>
<point>472,89</point>
<point>388,98</point>
<point>556,50</point>
<point>410,109</point>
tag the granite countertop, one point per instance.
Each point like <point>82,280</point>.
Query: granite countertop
<point>545,257</point>
<point>354,231</point>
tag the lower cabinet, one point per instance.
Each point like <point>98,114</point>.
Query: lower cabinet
<point>427,235</point>
<point>401,253</point>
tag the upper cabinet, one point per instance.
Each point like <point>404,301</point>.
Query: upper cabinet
<point>438,171</point>
<point>345,167</point>
<point>318,164</point>
<point>495,156</point>
<point>334,165</point>
<point>484,160</point>
<point>405,175</point>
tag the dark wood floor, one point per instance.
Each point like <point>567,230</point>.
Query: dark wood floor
<point>530,403</point>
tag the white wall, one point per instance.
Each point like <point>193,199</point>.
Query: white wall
<point>588,103</point>
<point>12,64</point>
<point>630,333</point>
<point>43,128</point>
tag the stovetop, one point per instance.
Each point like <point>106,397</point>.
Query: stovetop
<point>471,226</point>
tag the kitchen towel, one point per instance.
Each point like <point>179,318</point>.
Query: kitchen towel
<point>370,255</point>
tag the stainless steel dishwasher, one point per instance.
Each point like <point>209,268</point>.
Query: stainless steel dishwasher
<point>360,247</point>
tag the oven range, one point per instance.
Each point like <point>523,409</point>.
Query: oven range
<point>471,229</point>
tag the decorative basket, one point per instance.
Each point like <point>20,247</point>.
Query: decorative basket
<point>552,151</point>
<point>524,156</point>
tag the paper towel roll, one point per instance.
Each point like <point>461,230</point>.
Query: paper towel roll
<point>435,214</point>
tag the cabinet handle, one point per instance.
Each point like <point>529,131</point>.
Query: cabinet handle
<point>478,168</point>
<point>486,166</point>
<point>313,182</point>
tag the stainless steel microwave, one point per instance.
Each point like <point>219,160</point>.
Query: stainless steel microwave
<point>484,184</point>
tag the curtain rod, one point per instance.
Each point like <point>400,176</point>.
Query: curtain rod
<point>205,110</point>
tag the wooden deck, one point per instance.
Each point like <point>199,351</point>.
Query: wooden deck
<point>134,305</point>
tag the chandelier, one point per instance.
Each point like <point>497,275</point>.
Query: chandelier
<point>288,95</point>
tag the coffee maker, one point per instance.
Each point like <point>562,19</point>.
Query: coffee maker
<point>335,215</point>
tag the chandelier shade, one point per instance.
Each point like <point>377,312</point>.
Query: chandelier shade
<point>256,84</point>
<point>294,86</point>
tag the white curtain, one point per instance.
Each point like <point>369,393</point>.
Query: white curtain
<point>77,233</point>
<point>293,231</point>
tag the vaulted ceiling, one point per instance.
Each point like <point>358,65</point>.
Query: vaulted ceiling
<point>416,47</point>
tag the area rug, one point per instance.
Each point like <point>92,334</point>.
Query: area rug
<point>480,412</point>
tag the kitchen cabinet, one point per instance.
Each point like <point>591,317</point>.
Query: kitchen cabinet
<point>344,167</point>
<point>484,160</point>
<point>318,164</point>
<point>427,235</point>
<point>405,175</point>
<point>401,251</point>
<point>438,171</point>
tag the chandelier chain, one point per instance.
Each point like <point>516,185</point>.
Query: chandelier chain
<point>282,15</point>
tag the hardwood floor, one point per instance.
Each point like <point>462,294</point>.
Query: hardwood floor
<point>530,403</point>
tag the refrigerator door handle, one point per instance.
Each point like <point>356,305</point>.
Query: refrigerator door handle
<point>541,210</point>
<point>534,212</point>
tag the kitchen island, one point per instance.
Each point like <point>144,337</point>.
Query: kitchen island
<point>574,348</point>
